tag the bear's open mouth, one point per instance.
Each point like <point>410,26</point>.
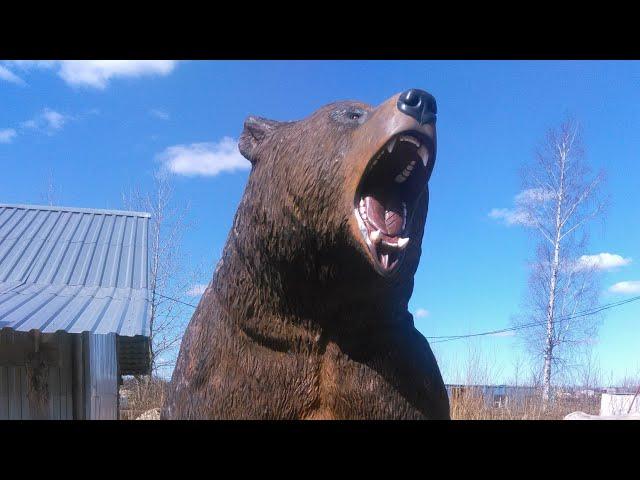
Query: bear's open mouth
<point>386,198</point>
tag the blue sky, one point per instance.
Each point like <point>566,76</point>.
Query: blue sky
<point>98,129</point>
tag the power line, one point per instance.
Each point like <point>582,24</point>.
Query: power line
<point>176,300</point>
<point>448,338</point>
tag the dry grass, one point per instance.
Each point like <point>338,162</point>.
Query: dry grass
<point>147,393</point>
<point>479,367</point>
<point>471,405</point>
<point>142,394</point>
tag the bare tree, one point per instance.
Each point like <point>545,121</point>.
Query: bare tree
<point>168,276</point>
<point>518,363</point>
<point>559,199</point>
<point>51,194</point>
<point>589,375</point>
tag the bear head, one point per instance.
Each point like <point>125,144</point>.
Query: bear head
<point>340,197</point>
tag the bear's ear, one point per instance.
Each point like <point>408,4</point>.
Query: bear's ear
<point>255,131</point>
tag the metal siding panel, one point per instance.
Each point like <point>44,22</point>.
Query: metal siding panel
<point>127,256</point>
<point>66,317</point>
<point>86,253</point>
<point>66,400</point>
<point>26,249</point>
<point>99,258</point>
<point>9,291</point>
<point>86,320</point>
<point>4,393</point>
<point>51,384</point>
<point>13,387</point>
<point>9,222</point>
<point>105,303</point>
<point>69,261</point>
<point>103,373</point>
<point>48,260</point>
<point>110,318</point>
<point>67,382</point>
<point>35,313</point>
<point>21,311</point>
<point>113,256</point>
<point>16,227</point>
<point>141,265</point>
<point>131,325</point>
<point>24,388</point>
<point>18,299</point>
<point>62,406</point>
<point>50,244</point>
<point>49,312</point>
<point>54,393</point>
<point>5,216</point>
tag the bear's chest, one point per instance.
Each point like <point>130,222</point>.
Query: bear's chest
<point>363,388</point>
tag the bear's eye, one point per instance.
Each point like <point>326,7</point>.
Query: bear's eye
<point>355,115</point>
<point>350,115</point>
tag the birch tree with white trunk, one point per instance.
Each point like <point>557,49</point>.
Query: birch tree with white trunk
<point>560,199</point>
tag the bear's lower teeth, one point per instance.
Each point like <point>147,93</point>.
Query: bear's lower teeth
<point>386,249</point>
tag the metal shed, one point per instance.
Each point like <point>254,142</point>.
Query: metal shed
<point>74,309</point>
<point>618,404</point>
<point>496,396</point>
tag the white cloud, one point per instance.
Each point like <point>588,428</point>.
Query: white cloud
<point>197,290</point>
<point>207,159</point>
<point>9,76</point>
<point>537,195</point>
<point>29,124</point>
<point>53,119</point>
<point>511,216</point>
<point>602,261</point>
<point>98,73</point>
<point>27,64</point>
<point>48,121</point>
<point>161,114</point>
<point>421,313</point>
<point>626,287</point>
<point>518,214</point>
<point>7,135</point>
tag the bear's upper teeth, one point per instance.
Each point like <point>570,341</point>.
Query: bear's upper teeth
<point>424,154</point>
<point>391,144</point>
<point>411,139</point>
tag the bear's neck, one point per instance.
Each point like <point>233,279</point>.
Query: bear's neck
<point>276,304</point>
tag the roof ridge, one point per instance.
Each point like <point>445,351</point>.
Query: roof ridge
<point>97,211</point>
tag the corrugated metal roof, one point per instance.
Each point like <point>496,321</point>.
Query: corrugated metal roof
<point>74,269</point>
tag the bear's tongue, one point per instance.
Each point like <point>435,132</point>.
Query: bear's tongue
<point>385,213</point>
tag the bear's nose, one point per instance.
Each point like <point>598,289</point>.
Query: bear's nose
<point>418,104</point>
